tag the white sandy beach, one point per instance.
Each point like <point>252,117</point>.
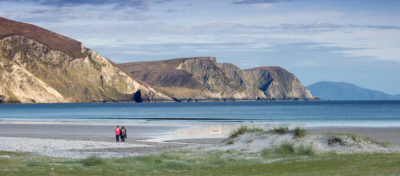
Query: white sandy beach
<point>61,147</point>
<point>82,139</point>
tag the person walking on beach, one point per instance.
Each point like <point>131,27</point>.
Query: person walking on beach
<point>117,133</point>
<point>123,134</point>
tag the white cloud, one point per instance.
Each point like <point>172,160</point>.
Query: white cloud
<point>148,53</point>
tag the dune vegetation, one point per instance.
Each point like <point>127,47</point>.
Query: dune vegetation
<point>188,162</point>
<point>287,158</point>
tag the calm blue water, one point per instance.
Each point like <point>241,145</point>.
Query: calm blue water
<point>356,113</point>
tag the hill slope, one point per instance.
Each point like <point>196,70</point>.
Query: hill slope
<point>202,78</point>
<point>52,40</point>
<point>346,91</point>
<point>39,66</point>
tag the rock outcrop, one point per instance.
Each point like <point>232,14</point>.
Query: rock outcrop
<point>39,66</point>
<point>277,83</point>
<point>203,79</point>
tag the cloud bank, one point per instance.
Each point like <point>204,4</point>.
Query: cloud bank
<point>59,3</point>
<point>259,1</point>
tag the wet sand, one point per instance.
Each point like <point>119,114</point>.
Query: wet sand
<point>178,133</point>
<point>81,132</point>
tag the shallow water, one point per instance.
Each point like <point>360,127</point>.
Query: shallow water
<point>313,113</point>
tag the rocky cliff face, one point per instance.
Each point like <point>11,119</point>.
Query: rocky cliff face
<point>202,78</point>
<point>277,83</point>
<point>40,66</point>
<point>37,71</point>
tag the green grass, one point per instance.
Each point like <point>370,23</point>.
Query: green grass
<point>299,132</point>
<point>286,159</point>
<point>354,164</point>
<point>243,130</point>
<point>287,150</point>
<point>280,130</point>
<point>335,140</point>
<point>205,163</point>
<point>336,137</point>
<point>358,138</point>
<point>176,161</point>
<point>93,161</point>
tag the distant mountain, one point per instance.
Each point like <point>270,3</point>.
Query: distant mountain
<point>346,91</point>
<point>203,78</point>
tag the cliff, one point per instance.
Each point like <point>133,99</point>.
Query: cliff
<point>277,83</point>
<point>202,78</point>
<point>39,66</point>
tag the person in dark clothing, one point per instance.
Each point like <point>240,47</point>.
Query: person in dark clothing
<point>123,134</point>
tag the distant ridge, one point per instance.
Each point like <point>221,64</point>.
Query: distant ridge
<point>346,91</point>
<point>203,78</point>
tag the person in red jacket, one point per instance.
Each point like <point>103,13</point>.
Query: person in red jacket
<point>117,133</point>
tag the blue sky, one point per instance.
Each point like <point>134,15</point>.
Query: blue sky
<point>354,41</point>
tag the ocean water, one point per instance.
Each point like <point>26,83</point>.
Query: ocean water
<point>313,113</point>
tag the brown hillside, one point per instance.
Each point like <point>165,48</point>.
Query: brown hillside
<point>164,73</point>
<point>202,78</point>
<point>52,40</point>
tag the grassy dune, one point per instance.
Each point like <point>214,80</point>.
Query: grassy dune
<point>285,159</point>
<point>208,163</point>
<point>354,164</point>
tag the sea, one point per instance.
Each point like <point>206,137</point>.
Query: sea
<point>310,113</point>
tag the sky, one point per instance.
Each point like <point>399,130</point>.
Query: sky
<point>355,41</point>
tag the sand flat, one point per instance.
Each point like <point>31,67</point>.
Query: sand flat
<point>159,131</point>
<point>79,140</point>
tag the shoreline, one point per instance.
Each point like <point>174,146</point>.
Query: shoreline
<point>199,101</point>
<point>182,122</point>
<point>85,139</point>
<point>163,131</point>
<point>180,101</point>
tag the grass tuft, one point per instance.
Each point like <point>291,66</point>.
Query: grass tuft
<point>244,129</point>
<point>280,130</point>
<point>298,132</point>
<point>305,151</point>
<point>334,140</point>
<point>288,149</point>
<point>358,139</point>
<point>93,161</point>
<point>285,149</point>
<point>33,164</point>
<point>229,141</point>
